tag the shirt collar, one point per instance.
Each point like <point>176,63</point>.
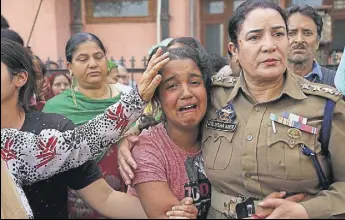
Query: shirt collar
<point>315,71</point>
<point>291,88</point>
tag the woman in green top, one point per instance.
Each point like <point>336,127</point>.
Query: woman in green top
<point>90,96</point>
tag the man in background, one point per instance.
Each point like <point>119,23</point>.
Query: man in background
<point>305,28</point>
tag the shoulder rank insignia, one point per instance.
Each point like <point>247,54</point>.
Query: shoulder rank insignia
<point>321,90</point>
<point>316,88</point>
<point>217,78</point>
<point>305,86</point>
<point>232,79</point>
<point>328,90</point>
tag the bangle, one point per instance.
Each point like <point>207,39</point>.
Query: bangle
<point>259,216</point>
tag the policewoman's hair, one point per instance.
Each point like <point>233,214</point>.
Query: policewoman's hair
<point>203,63</point>
<point>243,10</point>
<point>217,61</point>
<point>308,11</point>
<point>77,39</point>
<point>17,60</point>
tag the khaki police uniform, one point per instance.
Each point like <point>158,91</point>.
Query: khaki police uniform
<point>252,159</point>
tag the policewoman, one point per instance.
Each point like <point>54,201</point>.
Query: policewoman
<point>262,133</point>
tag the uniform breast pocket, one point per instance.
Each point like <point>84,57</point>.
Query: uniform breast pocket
<point>217,149</point>
<point>285,159</point>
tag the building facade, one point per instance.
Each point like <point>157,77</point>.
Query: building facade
<point>129,28</point>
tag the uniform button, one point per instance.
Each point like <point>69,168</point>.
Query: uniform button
<point>248,175</point>
<point>215,135</point>
<point>257,108</point>
<point>291,141</point>
<point>249,137</point>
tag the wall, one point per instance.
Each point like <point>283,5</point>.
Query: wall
<point>51,29</point>
<point>63,25</point>
<point>124,39</point>
<point>179,20</point>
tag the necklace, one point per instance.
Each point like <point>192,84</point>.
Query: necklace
<point>110,92</point>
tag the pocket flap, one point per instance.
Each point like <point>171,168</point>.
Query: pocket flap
<point>291,136</point>
<point>216,134</point>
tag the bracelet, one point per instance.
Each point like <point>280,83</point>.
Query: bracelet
<point>259,216</point>
<point>137,89</point>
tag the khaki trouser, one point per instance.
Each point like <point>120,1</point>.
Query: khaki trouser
<point>223,206</point>
<point>214,214</point>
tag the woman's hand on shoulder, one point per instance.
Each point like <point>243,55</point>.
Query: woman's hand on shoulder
<point>125,160</point>
<point>150,80</point>
<point>186,210</point>
<point>285,209</point>
<point>275,206</point>
<point>267,210</point>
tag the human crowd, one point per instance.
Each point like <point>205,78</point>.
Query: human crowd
<point>259,135</point>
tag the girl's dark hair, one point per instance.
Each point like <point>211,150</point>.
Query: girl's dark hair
<point>12,35</point>
<point>201,61</point>
<point>243,10</point>
<point>77,39</point>
<point>154,51</point>
<point>4,23</point>
<point>17,60</point>
<point>188,41</point>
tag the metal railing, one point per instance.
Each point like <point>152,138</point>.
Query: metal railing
<point>131,65</point>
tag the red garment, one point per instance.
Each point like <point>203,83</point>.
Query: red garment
<point>159,159</point>
<point>77,207</point>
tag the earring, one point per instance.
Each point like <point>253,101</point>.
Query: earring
<point>74,98</point>
<point>108,69</point>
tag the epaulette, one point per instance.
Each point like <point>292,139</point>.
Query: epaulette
<point>322,90</point>
<point>224,81</point>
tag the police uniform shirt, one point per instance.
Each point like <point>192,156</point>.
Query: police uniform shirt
<point>255,160</point>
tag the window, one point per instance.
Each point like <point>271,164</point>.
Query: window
<point>99,11</point>
<point>339,4</point>
<point>307,2</point>
<point>215,7</point>
<point>239,2</point>
<point>275,1</point>
<point>165,19</point>
<point>214,38</point>
<point>338,36</point>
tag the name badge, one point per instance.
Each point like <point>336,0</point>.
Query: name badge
<point>221,125</point>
